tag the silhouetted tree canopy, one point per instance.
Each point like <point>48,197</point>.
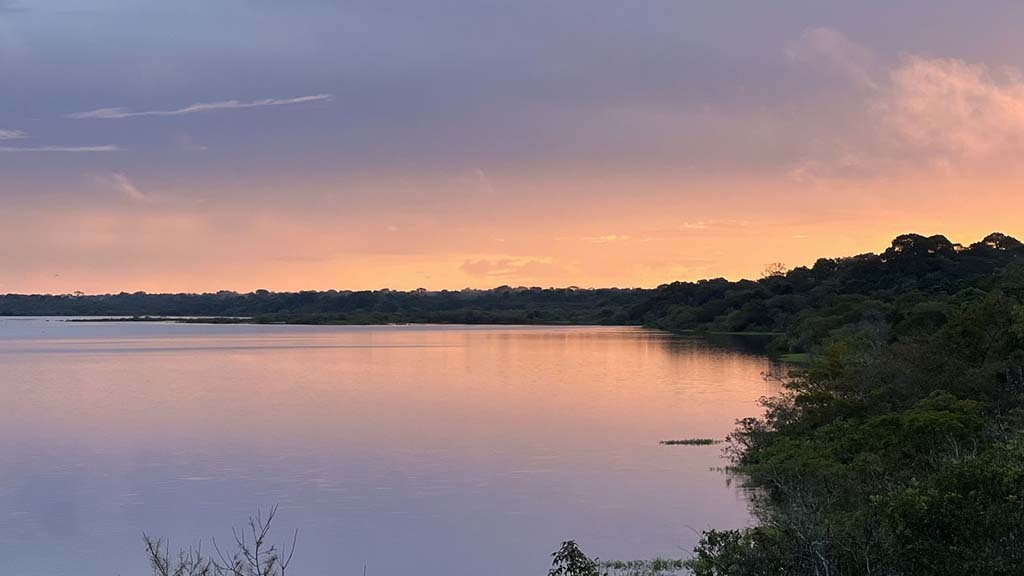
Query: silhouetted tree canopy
<point>802,305</point>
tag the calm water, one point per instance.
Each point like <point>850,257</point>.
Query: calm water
<point>435,451</point>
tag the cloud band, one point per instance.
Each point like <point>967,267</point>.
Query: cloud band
<point>117,113</point>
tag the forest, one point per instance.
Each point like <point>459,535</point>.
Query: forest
<point>899,450</point>
<point>502,305</point>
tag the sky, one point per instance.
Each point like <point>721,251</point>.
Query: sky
<point>204,145</point>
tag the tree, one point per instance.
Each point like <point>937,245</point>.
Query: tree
<point>569,560</point>
<point>254,555</point>
<point>774,270</point>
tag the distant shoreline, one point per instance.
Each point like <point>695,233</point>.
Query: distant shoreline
<point>309,321</point>
<point>251,320</point>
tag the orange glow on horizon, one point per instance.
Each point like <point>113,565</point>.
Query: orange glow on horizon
<point>737,228</point>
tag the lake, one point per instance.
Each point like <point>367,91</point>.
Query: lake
<point>426,450</point>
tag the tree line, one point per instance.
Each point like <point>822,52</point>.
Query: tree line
<point>503,305</point>
<point>802,305</point>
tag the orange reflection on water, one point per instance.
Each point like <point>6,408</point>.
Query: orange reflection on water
<point>457,440</point>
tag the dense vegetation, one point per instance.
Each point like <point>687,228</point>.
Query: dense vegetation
<point>504,305</point>
<point>913,277</point>
<point>900,449</point>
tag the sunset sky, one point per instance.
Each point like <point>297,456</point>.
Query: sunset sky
<point>200,145</point>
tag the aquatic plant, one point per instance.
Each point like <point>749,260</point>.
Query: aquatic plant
<point>690,442</point>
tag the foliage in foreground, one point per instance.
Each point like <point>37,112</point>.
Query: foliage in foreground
<point>254,555</point>
<point>656,567</point>
<point>570,560</point>
<point>900,451</point>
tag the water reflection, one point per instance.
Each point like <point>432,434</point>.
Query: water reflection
<point>428,450</point>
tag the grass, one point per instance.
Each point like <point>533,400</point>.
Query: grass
<point>690,442</point>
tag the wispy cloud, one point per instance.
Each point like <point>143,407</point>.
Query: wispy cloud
<point>829,49</point>
<point>123,184</point>
<point>920,113</point>
<point>61,149</point>
<point>956,109</point>
<point>484,183</point>
<point>116,113</point>
<point>512,268</point>
<point>8,134</point>
<point>606,238</point>
<point>713,224</point>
